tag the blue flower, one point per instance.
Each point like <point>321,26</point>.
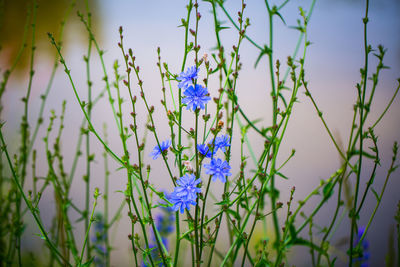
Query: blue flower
<point>98,240</point>
<point>221,142</point>
<point>165,226</point>
<point>164,222</point>
<point>187,77</point>
<point>218,169</point>
<point>188,187</point>
<point>160,149</point>
<point>363,258</point>
<point>196,97</point>
<point>180,202</point>
<point>204,150</point>
<point>155,254</point>
<point>364,243</point>
<point>185,194</point>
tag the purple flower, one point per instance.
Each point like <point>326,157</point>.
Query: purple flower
<point>164,222</point>
<point>364,256</point>
<point>165,226</point>
<point>364,243</point>
<point>180,202</point>
<point>185,194</point>
<point>187,77</point>
<point>204,150</point>
<point>98,240</point>
<point>188,187</point>
<point>221,142</point>
<point>160,149</point>
<point>155,254</point>
<point>196,97</point>
<point>218,169</point>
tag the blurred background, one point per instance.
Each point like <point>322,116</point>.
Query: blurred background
<point>332,69</point>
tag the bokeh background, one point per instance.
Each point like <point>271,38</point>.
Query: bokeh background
<point>332,68</point>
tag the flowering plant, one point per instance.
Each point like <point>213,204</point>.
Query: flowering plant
<point>204,182</point>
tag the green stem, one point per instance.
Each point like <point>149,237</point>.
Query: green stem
<point>221,5</point>
<point>106,203</point>
<point>105,78</point>
<point>60,259</point>
<point>96,194</point>
<point>387,107</point>
<point>91,128</point>
<point>50,83</point>
<point>89,112</point>
<point>362,94</point>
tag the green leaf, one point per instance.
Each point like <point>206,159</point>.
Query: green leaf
<point>292,232</point>
<point>87,264</point>
<point>280,16</point>
<point>80,219</point>
<point>299,28</point>
<point>282,98</point>
<point>191,240</point>
<point>304,242</point>
<point>281,175</point>
<point>261,263</point>
<point>265,51</point>
<point>223,202</point>
<point>365,154</point>
<point>41,236</point>
<point>219,27</point>
<point>328,190</point>
<point>223,28</point>
<point>393,169</point>
<point>121,168</point>
<point>375,193</point>
<point>234,214</point>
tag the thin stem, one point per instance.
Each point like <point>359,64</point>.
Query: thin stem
<point>379,199</point>
<point>361,109</point>
<point>60,259</point>
<point>96,194</point>
<point>123,137</point>
<point>221,5</point>
<point>308,93</point>
<point>91,128</point>
<point>388,106</point>
<point>105,78</point>
<point>25,136</point>
<point>89,112</point>
<point>50,83</point>
<point>196,232</point>
<point>106,202</point>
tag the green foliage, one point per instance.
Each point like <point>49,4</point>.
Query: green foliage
<point>249,200</point>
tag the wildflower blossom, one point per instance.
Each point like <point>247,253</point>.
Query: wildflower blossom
<point>188,186</point>
<point>155,254</point>
<point>185,194</point>
<point>165,226</point>
<point>363,259</point>
<point>164,222</point>
<point>218,169</point>
<point>180,202</point>
<point>99,240</point>
<point>187,77</point>
<point>204,150</point>
<point>160,149</point>
<point>221,142</point>
<point>196,97</point>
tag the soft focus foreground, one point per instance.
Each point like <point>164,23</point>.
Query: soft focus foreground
<point>261,151</point>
